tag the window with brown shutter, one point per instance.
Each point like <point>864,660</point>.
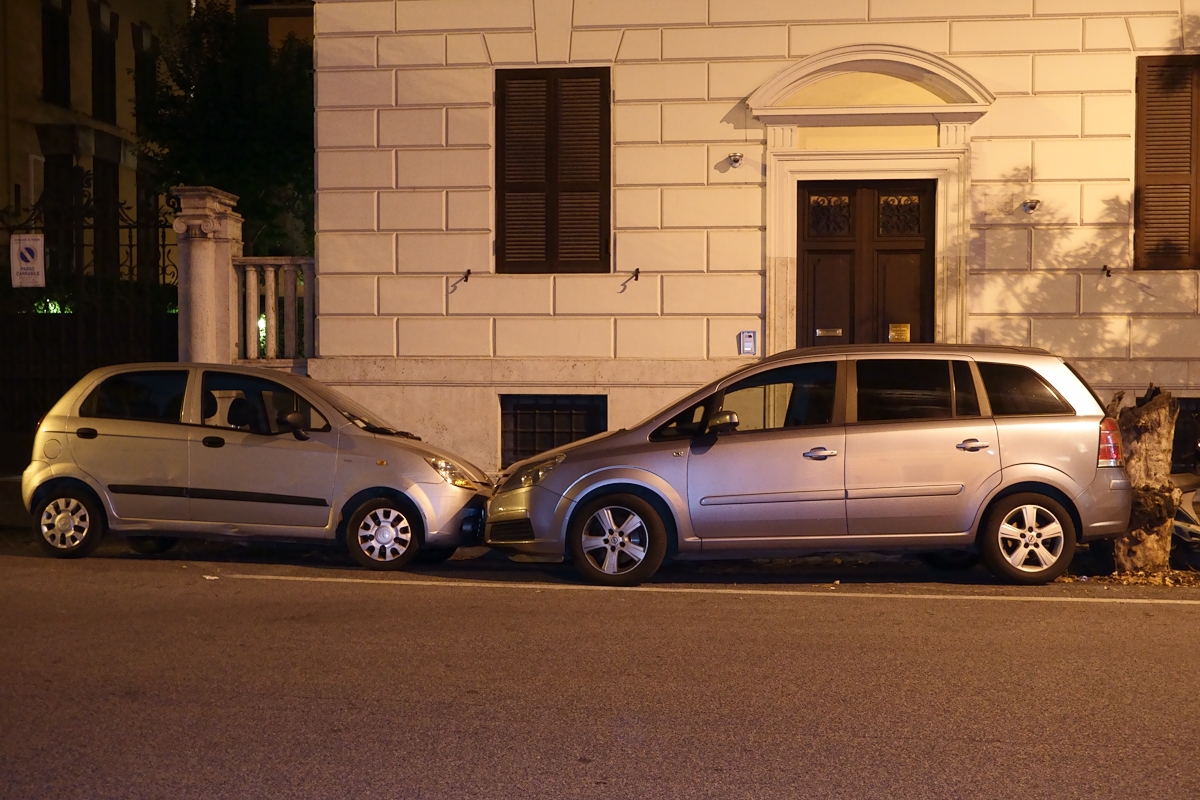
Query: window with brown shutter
<point>552,170</point>
<point>1166,233</point>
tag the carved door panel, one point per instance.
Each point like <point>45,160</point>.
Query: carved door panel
<point>865,262</point>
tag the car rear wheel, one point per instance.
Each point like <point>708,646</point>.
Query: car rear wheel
<point>617,540</point>
<point>384,534</point>
<point>151,545</point>
<point>1028,538</point>
<point>69,523</point>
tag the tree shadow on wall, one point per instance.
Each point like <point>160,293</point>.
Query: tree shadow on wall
<point>1039,277</point>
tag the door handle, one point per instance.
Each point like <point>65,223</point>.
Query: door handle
<point>86,433</point>
<point>820,454</point>
<point>213,441</point>
<point>971,445</point>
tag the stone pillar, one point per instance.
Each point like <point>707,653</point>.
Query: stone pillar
<point>208,235</point>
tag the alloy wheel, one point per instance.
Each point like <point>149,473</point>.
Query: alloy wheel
<point>614,540</point>
<point>1031,538</point>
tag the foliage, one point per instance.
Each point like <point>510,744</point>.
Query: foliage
<point>233,112</point>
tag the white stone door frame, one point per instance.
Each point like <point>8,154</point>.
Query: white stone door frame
<point>787,166</point>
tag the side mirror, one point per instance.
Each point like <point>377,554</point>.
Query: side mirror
<point>296,421</point>
<point>723,422</point>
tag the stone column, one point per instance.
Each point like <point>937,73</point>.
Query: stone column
<point>208,235</point>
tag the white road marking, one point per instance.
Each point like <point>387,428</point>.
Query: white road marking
<point>570,587</point>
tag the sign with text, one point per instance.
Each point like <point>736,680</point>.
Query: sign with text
<point>27,253</point>
<point>900,333</point>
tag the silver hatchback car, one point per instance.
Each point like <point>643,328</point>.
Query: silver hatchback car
<point>158,451</point>
<point>947,449</point>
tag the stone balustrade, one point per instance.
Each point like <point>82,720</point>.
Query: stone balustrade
<point>268,285</point>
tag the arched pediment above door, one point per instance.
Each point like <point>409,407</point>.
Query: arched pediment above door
<point>870,84</point>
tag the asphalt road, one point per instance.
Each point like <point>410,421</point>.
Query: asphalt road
<point>221,671</point>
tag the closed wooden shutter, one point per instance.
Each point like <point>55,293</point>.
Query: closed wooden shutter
<point>552,170</point>
<point>1166,233</point>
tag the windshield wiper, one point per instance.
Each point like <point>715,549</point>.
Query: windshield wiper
<point>369,428</point>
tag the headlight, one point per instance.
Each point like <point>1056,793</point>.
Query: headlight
<point>451,472</point>
<point>532,474</point>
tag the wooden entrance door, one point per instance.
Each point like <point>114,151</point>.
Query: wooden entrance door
<point>865,262</point>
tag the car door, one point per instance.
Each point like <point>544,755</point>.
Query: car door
<point>247,467</point>
<point>129,436</point>
<point>779,475</point>
<point>919,456</point>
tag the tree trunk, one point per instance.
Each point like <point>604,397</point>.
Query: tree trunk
<point>1147,435</point>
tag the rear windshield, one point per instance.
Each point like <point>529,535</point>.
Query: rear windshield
<point>1017,391</point>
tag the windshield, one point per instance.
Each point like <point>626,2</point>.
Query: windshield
<point>357,413</point>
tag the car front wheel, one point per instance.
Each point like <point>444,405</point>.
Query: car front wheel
<point>384,534</point>
<point>617,540</point>
<point>69,523</point>
<point>1028,538</point>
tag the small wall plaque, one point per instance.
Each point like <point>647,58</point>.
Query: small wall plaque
<point>829,331</point>
<point>900,333</point>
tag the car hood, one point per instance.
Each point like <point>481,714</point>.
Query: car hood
<point>587,444</point>
<point>424,449</point>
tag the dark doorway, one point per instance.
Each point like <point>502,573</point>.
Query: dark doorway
<point>865,262</point>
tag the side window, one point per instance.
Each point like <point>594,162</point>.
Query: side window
<point>683,425</point>
<point>788,397</point>
<point>902,388</point>
<point>966,403</point>
<point>1014,390</point>
<point>150,396</point>
<point>250,403</point>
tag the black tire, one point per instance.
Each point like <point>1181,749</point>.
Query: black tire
<point>435,555</point>
<point>151,545</point>
<point>398,527</point>
<point>950,560</point>
<point>592,533</point>
<point>69,522</point>
<point>1021,524</point>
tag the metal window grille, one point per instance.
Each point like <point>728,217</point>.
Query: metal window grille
<point>533,423</point>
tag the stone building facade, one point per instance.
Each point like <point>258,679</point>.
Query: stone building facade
<point>1010,122</point>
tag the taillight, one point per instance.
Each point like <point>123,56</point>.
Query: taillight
<point>1110,444</point>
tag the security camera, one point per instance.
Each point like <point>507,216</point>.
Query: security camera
<point>1030,206</point>
<point>735,160</point>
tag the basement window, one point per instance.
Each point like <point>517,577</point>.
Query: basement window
<point>533,423</point>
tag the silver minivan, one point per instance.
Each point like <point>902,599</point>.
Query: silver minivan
<point>1000,451</point>
<point>159,451</point>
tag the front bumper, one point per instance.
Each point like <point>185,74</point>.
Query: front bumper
<point>464,528</point>
<point>523,521</point>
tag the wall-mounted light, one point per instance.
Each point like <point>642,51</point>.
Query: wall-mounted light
<point>735,160</point>
<point>1030,205</point>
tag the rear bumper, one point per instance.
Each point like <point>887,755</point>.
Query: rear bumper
<point>1105,505</point>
